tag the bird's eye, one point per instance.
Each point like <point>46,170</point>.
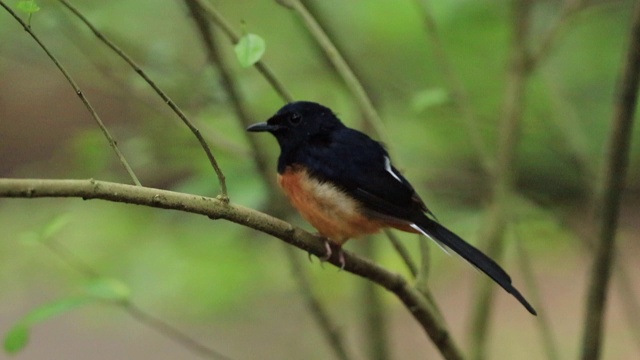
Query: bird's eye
<point>295,119</point>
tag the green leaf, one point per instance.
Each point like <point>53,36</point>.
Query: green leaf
<point>427,98</point>
<point>16,339</point>
<point>55,225</point>
<point>18,336</point>
<point>249,49</point>
<point>53,309</point>
<point>28,6</point>
<point>108,289</point>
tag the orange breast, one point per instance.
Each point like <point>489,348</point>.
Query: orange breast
<point>333,213</point>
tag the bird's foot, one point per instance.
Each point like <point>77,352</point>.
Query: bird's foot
<point>341,260</point>
<point>329,253</point>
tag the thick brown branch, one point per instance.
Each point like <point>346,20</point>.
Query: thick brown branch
<point>419,307</point>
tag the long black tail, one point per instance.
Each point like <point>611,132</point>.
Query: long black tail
<point>472,255</point>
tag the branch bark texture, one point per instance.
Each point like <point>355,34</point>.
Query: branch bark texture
<point>215,209</point>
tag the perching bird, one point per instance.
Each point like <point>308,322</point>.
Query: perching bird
<point>343,183</point>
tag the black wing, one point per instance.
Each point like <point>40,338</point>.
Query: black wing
<point>361,166</point>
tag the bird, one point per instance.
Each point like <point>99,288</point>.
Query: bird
<point>344,184</point>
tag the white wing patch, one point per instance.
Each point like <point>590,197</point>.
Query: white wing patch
<point>440,245</point>
<point>387,166</point>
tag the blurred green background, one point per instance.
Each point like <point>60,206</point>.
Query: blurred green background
<point>231,287</point>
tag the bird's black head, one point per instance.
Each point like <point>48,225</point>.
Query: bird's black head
<point>298,123</point>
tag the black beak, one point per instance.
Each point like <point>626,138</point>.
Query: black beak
<point>259,127</point>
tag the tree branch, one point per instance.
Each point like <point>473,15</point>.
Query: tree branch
<point>504,176</point>
<point>614,174</point>
<point>112,142</point>
<point>215,208</point>
<point>162,94</point>
<point>340,64</point>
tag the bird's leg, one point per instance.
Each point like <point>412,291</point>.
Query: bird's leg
<point>327,247</point>
<point>329,252</point>
<point>341,260</point>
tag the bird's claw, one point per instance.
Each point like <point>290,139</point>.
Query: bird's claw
<point>328,254</point>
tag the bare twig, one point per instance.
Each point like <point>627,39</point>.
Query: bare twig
<point>341,66</point>
<point>549,341</point>
<point>402,251</point>
<point>134,310</point>
<point>170,332</point>
<point>503,183</point>
<point>614,173</point>
<point>548,41</point>
<point>375,322</point>
<point>329,329</point>
<point>413,300</point>
<point>80,94</point>
<point>220,21</point>
<point>457,89</point>
<point>216,59</point>
<point>162,94</point>
<point>230,86</point>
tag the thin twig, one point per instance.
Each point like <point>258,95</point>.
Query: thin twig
<point>233,35</point>
<point>548,41</point>
<point>80,94</point>
<point>371,117</point>
<point>456,87</point>
<point>503,183</point>
<point>341,66</point>
<point>413,300</point>
<point>218,61</point>
<point>613,174</point>
<point>230,86</point>
<point>422,279</point>
<point>171,332</point>
<point>162,94</point>
<point>402,251</point>
<point>134,310</point>
<point>374,324</point>
<point>425,265</point>
<point>330,330</point>
<point>549,340</point>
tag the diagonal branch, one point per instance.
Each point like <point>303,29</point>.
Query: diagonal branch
<point>162,94</point>
<point>413,300</point>
<point>504,177</point>
<point>135,311</point>
<point>80,94</point>
<point>340,64</point>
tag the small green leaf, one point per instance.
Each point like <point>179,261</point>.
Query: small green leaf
<point>55,225</point>
<point>28,6</point>
<point>249,49</point>
<point>52,309</point>
<point>18,336</point>
<point>108,289</point>
<point>427,98</point>
<point>16,339</point>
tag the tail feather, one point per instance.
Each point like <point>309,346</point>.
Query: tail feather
<point>444,236</point>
